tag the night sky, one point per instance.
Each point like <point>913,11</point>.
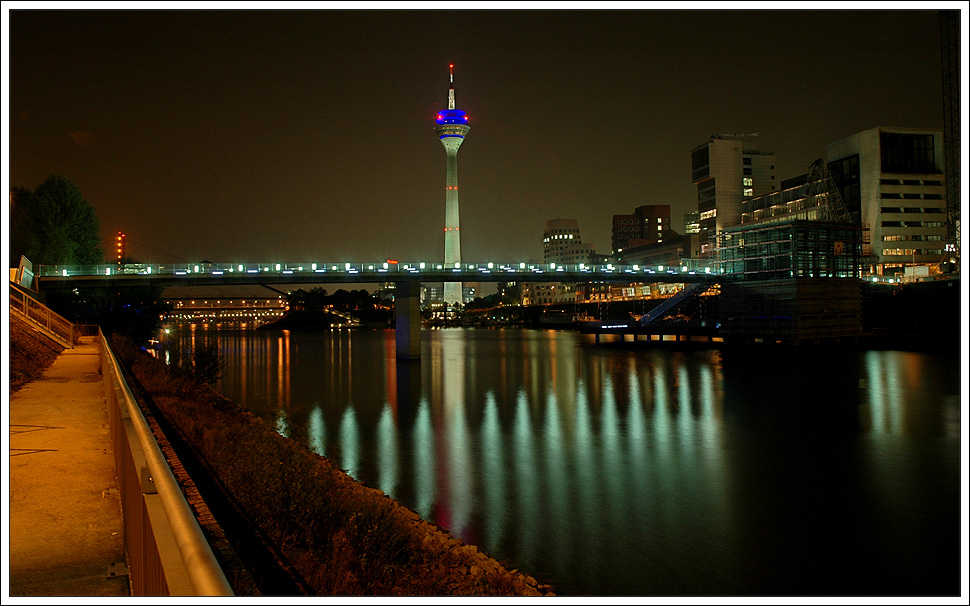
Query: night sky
<point>308,135</point>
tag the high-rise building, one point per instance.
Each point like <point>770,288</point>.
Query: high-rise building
<point>726,170</point>
<point>892,179</point>
<point>648,224</point>
<point>562,243</point>
<point>451,126</point>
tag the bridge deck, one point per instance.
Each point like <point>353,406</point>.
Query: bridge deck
<point>214,274</point>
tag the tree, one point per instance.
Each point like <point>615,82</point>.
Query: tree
<point>59,227</point>
<point>19,220</point>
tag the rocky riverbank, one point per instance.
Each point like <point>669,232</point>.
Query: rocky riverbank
<point>340,536</point>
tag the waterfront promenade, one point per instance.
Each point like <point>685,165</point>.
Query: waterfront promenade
<point>65,512</point>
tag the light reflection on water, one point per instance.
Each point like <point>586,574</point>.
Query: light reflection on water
<point>615,470</point>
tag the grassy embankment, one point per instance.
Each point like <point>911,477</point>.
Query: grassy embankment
<point>341,536</point>
<point>30,353</point>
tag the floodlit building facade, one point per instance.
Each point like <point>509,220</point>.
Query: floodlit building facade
<point>892,179</point>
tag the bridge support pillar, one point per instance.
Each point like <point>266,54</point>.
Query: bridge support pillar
<point>407,324</point>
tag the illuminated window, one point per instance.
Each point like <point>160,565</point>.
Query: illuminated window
<point>748,181</point>
<point>748,192</point>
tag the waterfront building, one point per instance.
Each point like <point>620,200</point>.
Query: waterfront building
<point>547,293</point>
<point>563,244</point>
<point>648,224</point>
<point>892,179</point>
<point>790,248</point>
<point>726,170</point>
<point>451,126</point>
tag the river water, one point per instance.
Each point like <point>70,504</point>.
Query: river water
<point>622,469</point>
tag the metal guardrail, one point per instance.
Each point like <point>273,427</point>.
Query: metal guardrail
<point>167,552</point>
<point>53,325</point>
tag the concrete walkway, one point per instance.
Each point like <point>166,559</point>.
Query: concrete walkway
<point>65,512</point>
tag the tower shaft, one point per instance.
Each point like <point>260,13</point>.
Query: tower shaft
<point>452,223</point>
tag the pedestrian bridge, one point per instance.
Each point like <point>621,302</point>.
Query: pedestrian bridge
<point>227,274</point>
<point>407,278</point>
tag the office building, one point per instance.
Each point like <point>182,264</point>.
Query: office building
<point>726,170</point>
<point>892,179</point>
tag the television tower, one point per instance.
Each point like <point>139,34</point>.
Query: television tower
<point>451,126</point>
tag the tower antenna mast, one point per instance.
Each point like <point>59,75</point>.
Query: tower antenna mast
<point>451,86</point>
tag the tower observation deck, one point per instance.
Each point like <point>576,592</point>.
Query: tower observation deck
<point>451,126</point>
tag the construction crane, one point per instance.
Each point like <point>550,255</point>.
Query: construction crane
<point>820,182</point>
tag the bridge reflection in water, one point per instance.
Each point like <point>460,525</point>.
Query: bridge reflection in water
<point>611,470</point>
